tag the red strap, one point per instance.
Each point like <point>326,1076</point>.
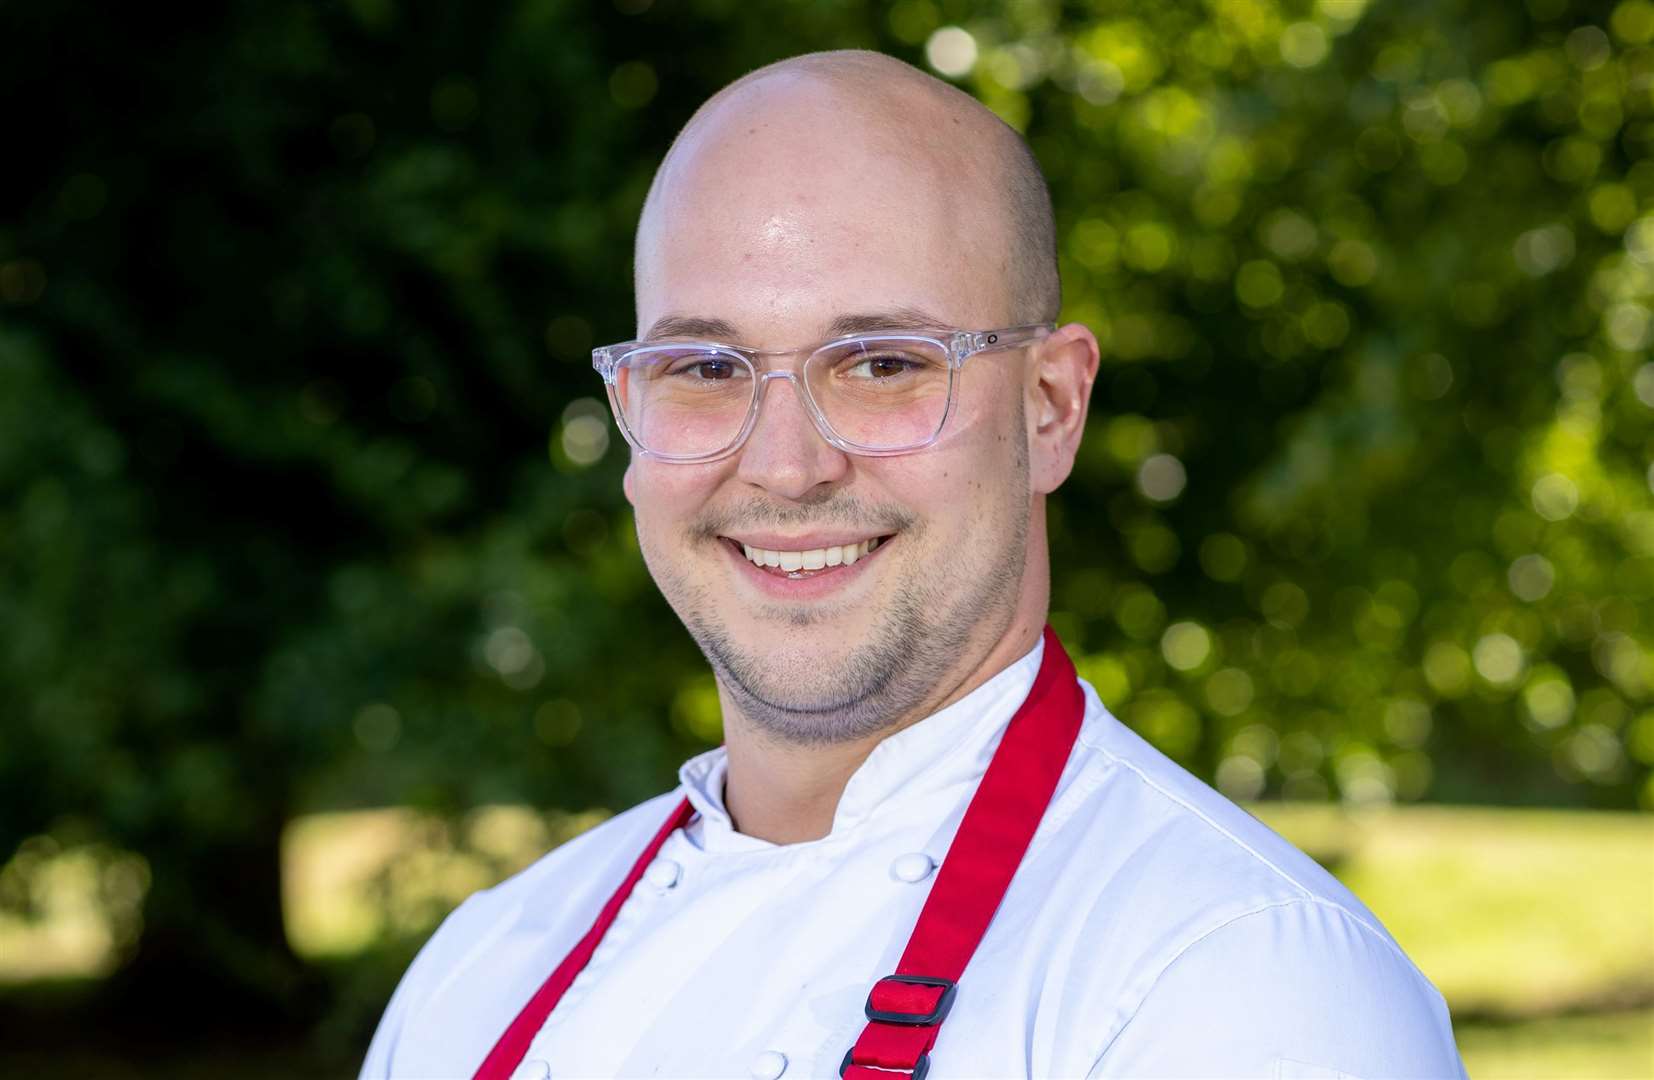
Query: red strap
<point>997,828</point>
<point>998,825</point>
<point>509,1051</point>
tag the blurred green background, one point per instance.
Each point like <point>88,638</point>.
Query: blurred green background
<point>315,572</point>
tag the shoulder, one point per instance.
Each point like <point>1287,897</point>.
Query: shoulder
<point>1139,818</point>
<point>1168,886</point>
<point>1300,981</point>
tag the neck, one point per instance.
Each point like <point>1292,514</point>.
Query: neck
<point>783,793</point>
<point>788,793</point>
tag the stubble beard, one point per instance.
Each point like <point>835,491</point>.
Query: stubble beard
<point>939,609</point>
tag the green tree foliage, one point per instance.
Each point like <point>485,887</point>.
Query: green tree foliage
<point>308,497</point>
<point>1374,444</point>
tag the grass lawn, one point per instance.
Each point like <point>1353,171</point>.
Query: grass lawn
<point>1612,1045</point>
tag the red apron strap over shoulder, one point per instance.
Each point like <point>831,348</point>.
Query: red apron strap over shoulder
<point>904,1010</point>
<point>513,1044</point>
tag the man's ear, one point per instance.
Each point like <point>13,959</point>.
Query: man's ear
<point>626,480</point>
<point>1063,367</point>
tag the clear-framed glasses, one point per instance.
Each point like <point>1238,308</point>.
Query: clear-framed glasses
<point>878,394</point>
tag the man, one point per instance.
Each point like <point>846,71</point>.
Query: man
<point>854,533</point>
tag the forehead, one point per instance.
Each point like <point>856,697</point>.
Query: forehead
<point>785,207</point>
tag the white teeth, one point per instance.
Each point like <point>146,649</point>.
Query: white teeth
<point>812,559</point>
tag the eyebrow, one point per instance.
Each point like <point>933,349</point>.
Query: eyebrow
<point>901,318</point>
<point>688,326</point>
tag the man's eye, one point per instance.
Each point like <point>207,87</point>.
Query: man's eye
<point>703,369</point>
<point>883,366</point>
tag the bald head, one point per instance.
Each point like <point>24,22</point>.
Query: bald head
<point>845,131</point>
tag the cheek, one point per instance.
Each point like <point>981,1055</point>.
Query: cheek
<point>994,448</point>
<point>665,497</point>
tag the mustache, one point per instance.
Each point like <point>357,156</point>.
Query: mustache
<point>840,511</point>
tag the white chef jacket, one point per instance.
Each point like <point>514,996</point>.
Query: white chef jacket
<point>1154,929</point>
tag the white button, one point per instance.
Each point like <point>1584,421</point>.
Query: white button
<point>533,1069</point>
<point>913,867</point>
<point>768,1066</point>
<point>662,874</point>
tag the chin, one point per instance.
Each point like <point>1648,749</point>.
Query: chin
<point>815,675</point>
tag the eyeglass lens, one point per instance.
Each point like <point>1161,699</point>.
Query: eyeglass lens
<point>877,393</point>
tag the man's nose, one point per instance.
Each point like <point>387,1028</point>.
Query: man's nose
<point>786,454</point>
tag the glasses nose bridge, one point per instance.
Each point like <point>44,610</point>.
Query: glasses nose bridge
<point>801,391</point>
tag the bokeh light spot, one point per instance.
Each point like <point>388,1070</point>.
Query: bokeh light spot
<point>1258,284</point>
<point>1239,777</point>
<point>1303,44</point>
<point>1531,577</point>
<point>1554,497</point>
<point>1352,263</point>
<point>584,437</point>
<point>1633,22</point>
<point>1229,691</point>
<point>1612,207</point>
<point>1364,778</point>
<point>1186,645</point>
<point>1595,752</point>
<point>1588,47</point>
<point>1284,604</point>
<point>951,51</point>
<point>633,85</point>
<point>1498,659</point>
<point>557,722</point>
<point>1628,326</point>
<point>509,650</point>
<point>1642,384</point>
<point>1139,612</point>
<point>1447,669</point>
<point>1166,721</point>
<point>1639,240</point>
<point>1548,699</point>
<point>1289,234</point>
<point>1161,478</point>
<point>1545,249</point>
<point>1407,722</point>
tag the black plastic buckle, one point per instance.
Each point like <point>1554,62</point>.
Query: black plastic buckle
<point>921,1068</point>
<point>935,1016</point>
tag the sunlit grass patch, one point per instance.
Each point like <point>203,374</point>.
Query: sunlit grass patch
<point>1609,1046</point>
<point>354,878</point>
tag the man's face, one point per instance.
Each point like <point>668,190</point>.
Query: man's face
<point>777,221</point>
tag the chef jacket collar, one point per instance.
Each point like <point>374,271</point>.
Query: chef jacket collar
<point>952,746</point>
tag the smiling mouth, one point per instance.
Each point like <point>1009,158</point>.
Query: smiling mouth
<point>808,563</point>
